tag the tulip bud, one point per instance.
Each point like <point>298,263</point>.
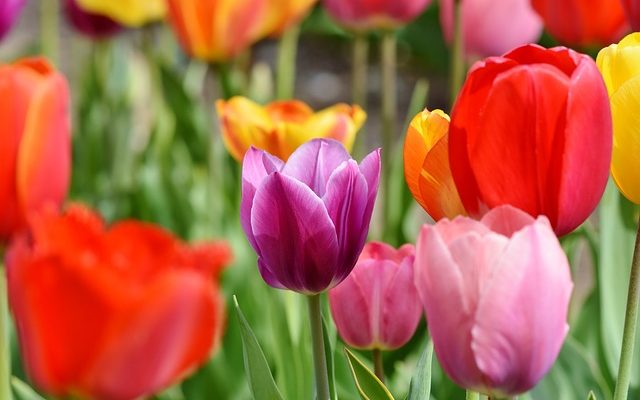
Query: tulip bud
<point>620,67</point>
<point>533,129</point>
<point>308,218</point>
<point>9,12</point>
<point>118,313</point>
<point>282,126</point>
<point>377,306</point>
<point>93,25</point>
<point>375,14</point>
<point>133,13</point>
<point>496,295</point>
<point>35,155</point>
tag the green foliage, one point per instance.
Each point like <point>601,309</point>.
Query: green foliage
<point>420,388</point>
<point>369,386</point>
<point>23,391</point>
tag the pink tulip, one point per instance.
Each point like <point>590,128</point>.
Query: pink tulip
<point>377,306</point>
<point>496,294</point>
<point>490,27</point>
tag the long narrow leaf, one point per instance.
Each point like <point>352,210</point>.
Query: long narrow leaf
<point>420,388</point>
<point>24,391</point>
<point>369,386</point>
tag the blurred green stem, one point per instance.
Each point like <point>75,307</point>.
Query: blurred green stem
<point>472,395</point>
<point>319,358</point>
<point>5,346</point>
<point>388,62</point>
<point>49,29</point>
<point>225,77</point>
<point>359,80</point>
<point>378,367</point>
<point>457,56</point>
<point>286,73</point>
<point>630,322</point>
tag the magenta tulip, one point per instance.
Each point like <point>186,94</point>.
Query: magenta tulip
<point>490,27</point>
<point>95,26</point>
<point>308,218</point>
<point>496,294</point>
<point>377,306</point>
<point>9,12</point>
<point>375,14</point>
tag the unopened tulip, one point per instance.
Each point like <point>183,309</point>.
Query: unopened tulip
<point>35,155</point>
<point>490,27</point>
<point>426,165</point>
<point>308,218</point>
<point>282,126</point>
<point>217,30</point>
<point>113,313</point>
<point>133,13</point>
<point>583,22</point>
<point>375,14</point>
<point>632,9</point>
<point>9,12</point>
<point>620,67</point>
<point>377,306</point>
<point>93,25</point>
<point>496,294</point>
<point>533,129</point>
<point>282,14</point>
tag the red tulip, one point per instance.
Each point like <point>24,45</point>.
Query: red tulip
<point>533,129</point>
<point>35,155</point>
<point>115,313</point>
<point>632,8</point>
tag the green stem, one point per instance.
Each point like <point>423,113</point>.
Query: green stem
<point>359,81</point>
<point>286,74</point>
<point>225,78</point>
<point>5,347</point>
<point>472,395</point>
<point>388,114</point>
<point>49,29</point>
<point>457,57</point>
<point>630,322</point>
<point>319,358</point>
<point>378,367</point>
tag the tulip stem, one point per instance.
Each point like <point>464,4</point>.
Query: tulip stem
<point>457,56</point>
<point>286,73</point>
<point>388,114</point>
<point>5,347</point>
<point>49,25</point>
<point>225,77</point>
<point>359,72</point>
<point>378,367</point>
<point>471,395</point>
<point>319,357</point>
<point>630,322</point>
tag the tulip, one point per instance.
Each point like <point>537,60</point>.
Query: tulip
<point>426,165</point>
<point>9,12</point>
<point>308,218</point>
<point>133,13</point>
<point>282,126</point>
<point>632,9</point>
<point>35,155</point>
<point>533,129</point>
<point>620,67</point>
<point>583,22</point>
<point>377,306</point>
<point>282,14</point>
<point>496,294</point>
<point>375,14</point>
<point>217,30</point>
<point>93,25</point>
<point>112,314</point>
<point>492,28</point>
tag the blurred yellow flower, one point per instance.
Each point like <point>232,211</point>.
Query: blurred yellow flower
<point>282,14</point>
<point>282,126</point>
<point>620,67</point>
<point>132,13</point>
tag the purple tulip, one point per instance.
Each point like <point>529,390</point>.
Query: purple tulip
<point>308,218</point>
<point>93,25</point>
<point>9,12</point>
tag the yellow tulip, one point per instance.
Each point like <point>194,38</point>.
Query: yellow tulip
<point>282,126</point>
<point>282,14</point>
<point>132,13</point>
<point>620,67</point>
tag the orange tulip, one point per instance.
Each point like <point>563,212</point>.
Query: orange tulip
<point>282,126</point>
<point>217,30</point>
<point>112,314</point>
<point>283,14</point>
<point>35,155</point>
<point>426,165</point>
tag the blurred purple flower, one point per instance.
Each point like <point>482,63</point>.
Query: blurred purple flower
<point>308,218</point>
<point>9,12</point>
<point>94,25</point>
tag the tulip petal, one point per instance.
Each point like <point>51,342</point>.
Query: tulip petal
<point>515,346</point>
<point>245,124</point>
<point>370,168</point>
<point>287,211</point>
<point>506,220</point>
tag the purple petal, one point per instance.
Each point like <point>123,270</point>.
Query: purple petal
<point>346,202</point>
<point>314,162</point>
<point>9,13</point>
<point>370,168</point>
<point>296,240</point>
<point>256,166</point>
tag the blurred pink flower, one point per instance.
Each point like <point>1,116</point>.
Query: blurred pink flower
<point>9,12</point>
<point>375,14</point>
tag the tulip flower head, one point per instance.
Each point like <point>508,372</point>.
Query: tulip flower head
<point>133,13</point>
<point>377,306</point>
<point>632,9</point>
<point>490,27</point>
<point>112,314</point>
<point>375,14</point>
<point>620,67</point>
<point>9,12</point>
<point>282,14</point>
<point>93,25</point>
<point>496,294</point>
<point>533,129</point>
<point>308,218</point>
<point>282,126</point>
<point>426,165</point>
<point>35,156</point>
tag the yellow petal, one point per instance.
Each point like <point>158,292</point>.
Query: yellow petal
<point>244,123</point>
<point>127,12</point>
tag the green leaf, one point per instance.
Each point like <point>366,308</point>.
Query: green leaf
<point>24,391</point>
<point>369,386</point>
<point>420,388</point>
<point>328,350</point>
<point>591,396</point>
<point>261,381</point>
